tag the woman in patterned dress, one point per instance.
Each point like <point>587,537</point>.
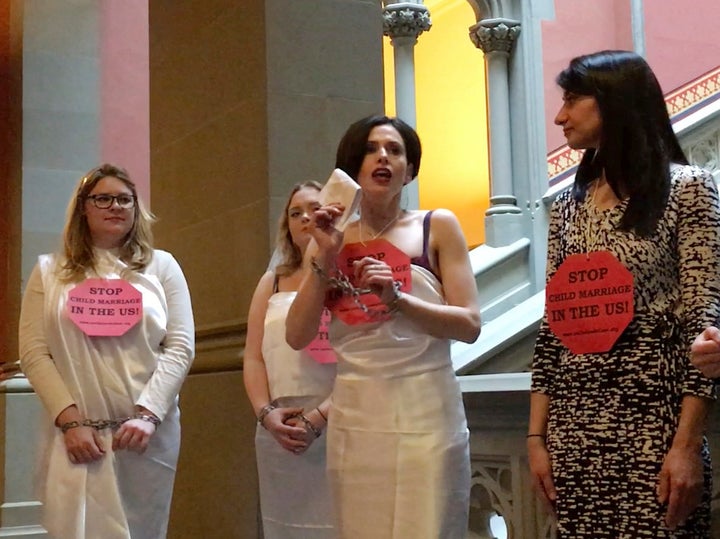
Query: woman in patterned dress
<point>616,438</point>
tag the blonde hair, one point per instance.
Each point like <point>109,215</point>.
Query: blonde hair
<point>290,255</point>
<point>79,256</point>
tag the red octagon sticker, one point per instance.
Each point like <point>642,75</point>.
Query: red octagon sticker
<point>319,349</point>
<point>104,307</point>
<point>345,307</point>
<point>589,302</point>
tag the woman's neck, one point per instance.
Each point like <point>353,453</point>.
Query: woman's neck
<point>602,195</point>
<point>376,216</point>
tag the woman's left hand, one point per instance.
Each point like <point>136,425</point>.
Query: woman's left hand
<point>133,435</point>
<point>680,484</point>
<point>376,276</point>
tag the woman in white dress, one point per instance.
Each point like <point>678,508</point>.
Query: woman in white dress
<point>288,391</point>
<point>106,340</point>
<point>398,450</point>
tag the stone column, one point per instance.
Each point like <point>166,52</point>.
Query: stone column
<point>637,16</point>
<point>403,22</point>
<point>503,221</point>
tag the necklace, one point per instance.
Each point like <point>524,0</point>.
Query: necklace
<point>376,236</point>
<point>593,233</point>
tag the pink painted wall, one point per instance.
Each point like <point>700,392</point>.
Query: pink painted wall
<point>682,39</point>
<point>579,28</point>
<point>125,89</point>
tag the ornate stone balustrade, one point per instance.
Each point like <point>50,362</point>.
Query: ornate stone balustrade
<point>20,511</point>
<point>497,407</point>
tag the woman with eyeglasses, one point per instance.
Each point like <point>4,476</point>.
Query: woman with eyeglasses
<point>106,340</point>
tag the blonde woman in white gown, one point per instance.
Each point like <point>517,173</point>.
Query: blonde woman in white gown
<point>288,391</point>
<point>112,435</point>
<point>398,449</point>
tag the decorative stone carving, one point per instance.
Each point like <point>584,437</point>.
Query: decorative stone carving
<point>704,150</point>
<point>501,485</point>
<point>405,19</point>
<point>495,35</point>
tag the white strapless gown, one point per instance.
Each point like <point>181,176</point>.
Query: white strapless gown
<point>398,443</point>
<point>294,495</point>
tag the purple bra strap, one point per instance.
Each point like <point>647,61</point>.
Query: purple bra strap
<point>423,260</point>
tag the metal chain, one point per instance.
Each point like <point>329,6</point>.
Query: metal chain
<point>341,282</point>
<point>100,424</point>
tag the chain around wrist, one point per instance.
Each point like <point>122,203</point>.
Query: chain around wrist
<point>149,418</point>
<point>308,424</point>
<point>394,304</point>
<point>264,411</point>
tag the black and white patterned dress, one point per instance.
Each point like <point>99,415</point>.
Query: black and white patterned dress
<point>613,415</point>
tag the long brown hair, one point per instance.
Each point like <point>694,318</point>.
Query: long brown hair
<point>290,255</point>
<point>136,251</point>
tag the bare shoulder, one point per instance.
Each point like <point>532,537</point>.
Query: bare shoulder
<point>266,284</point>
<point>444,224</point>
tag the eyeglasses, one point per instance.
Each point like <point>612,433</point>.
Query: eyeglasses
<point>103,202</point>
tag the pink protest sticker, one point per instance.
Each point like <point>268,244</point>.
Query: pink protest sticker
<point>346,307</point>
<point>590,302</point>
<point>319,349</point>
<point>104,307</point>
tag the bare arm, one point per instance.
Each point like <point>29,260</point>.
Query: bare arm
<point>459,318</point>
<point>255,373</point>
<point>680,483</point>
<point>304,315</point>
<point>538,455</point>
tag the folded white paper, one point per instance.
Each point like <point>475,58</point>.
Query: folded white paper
<point>341,188</point>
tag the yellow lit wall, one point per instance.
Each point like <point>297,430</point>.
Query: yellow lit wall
<point>451,116</point>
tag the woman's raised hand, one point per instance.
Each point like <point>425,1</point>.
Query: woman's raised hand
<point>322,228</point>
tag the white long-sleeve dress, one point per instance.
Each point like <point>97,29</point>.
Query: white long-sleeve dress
<point>124,495</point>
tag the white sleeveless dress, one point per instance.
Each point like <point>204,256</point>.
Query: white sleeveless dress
<point>398,443</point>
<point>294,495</point>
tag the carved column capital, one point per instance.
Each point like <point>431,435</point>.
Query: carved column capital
<point>405,19</point>
<point>495,35</point>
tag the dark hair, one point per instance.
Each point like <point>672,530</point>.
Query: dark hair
<point>353,145</point>
<point>637,142</point>
<point>291,257</point>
